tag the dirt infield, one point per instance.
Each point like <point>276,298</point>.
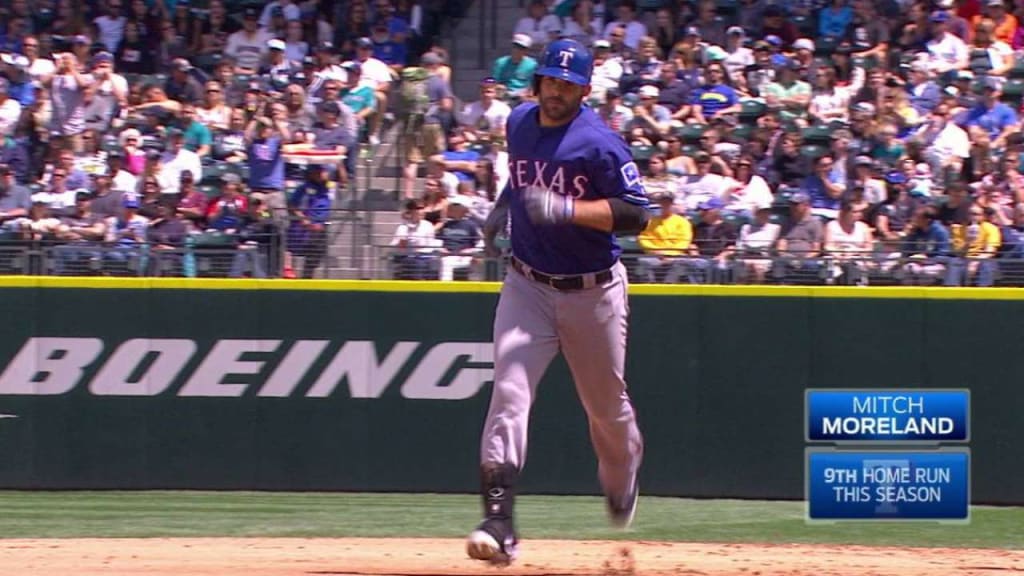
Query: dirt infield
<point>422,557</point>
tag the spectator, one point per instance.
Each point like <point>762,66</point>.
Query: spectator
<point>1002,26</point>
<point>581,25</point>
<point>15,199</point>
<point>828,103</point>
<point>946,51</point>
<point>801,239</point>
<point>997,52</point>
<point>714,245</point>
<point>991,116</point>
<point>414,245</point>
<point>256,240</point>
<point>176,160</point>
<point>485,118</point>
<point>80,234</point>
<point>10,111</point>
<point>926,248</point>
<point>658,181</point>
<point>716,97</point>
<point>166,236</point>
<point>848,243</point>
<point>69,92</point>
<point>197,136</point>
<point>277,70</point>
<point>386,49</point>
<point>755,246</point>
<point>634,29</point>
<point>214,113</point>
<point>514,72</point>
<point>788,92</point>
<point>751,192</point>
<point>651,121</point>
<point>973,246</point>
<point>607,70</point>
<point>310,206</point>
<point>295,48</point>
<point>191,204</point>
<point>835,19</point>
<point>126,235</point>
<point>459,237</point>
<point>230,145</point>
<point>375,74</point>
<point>665,240</point>
<point>248,46</point>
<point>362,101</point>
<point>697,189</point>
<point>538,24</point>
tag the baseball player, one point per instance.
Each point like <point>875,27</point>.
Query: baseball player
<point>573,185</point>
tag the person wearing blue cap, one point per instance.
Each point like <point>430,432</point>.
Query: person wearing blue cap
<point>125,234</point>
<point>714,244</point>
<point>946,51</point>
<point>788,91</point>
<point>248,46</point>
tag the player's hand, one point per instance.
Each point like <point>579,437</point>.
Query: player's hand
<point>544,206</point>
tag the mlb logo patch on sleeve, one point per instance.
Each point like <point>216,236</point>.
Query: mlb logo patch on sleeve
<point>630,174</point>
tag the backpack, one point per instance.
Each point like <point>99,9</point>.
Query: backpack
<point>413,100</point>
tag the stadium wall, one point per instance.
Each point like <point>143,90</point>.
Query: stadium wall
<point>372,386</point>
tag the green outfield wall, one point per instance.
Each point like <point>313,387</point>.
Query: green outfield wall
<point>383,386</point>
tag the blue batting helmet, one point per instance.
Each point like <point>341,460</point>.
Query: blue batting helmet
<point>568,60</point>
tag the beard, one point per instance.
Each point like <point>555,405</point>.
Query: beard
<point>559,109</point>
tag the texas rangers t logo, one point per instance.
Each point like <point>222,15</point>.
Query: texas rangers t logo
<point>565,56</point>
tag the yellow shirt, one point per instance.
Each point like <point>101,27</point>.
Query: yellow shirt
<point>670,236</point>
<point>989,239</point>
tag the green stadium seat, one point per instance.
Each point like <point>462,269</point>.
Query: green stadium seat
<point>819,135</point>
<point>629,244</point>
<point>751,110</point>
<point>743,132</point>
<point>813,151</point>
<point>1014,88</point>
<point>1018,69</point>
<point>214,239</point>
<point>691,133</point>
<point>210,190</point>
<point>641,151</point>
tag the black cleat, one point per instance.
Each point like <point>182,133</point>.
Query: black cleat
<point>621,513</point>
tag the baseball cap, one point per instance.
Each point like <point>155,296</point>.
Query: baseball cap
<point>130,201</point>
<point>692,31</point>
<point>602,45</point>
<point>863,161</point>
<point>277,12</point>
<point>82,196</point>
<point>773,40</point>
<point>182,65</point>
<point>939,16</point>
<point>81,39</point>
<point>430,59</point>
<point>522,40</point>
<point>352,66</point>
<point>735,31</point>
<point>702,156</point>
<point>800,198</point>
<point>330,108</point>
<point>994,3</point>
<point>460,200</point>
<point>895,178</point>
<point>275,44</point>
<point>115,154</point>
<point>364,42</point>
<point>567,60</point>
<point>102,58</point>
<point>804,44</point>
<point>662,196</point>
<point>649,91</point>
<point>326,47</point>
<point>864,107</point>
<point>251,12</point>
<point>231,178</point>
<point>711,204</point>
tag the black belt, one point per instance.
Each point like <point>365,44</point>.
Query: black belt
<point>578,282</point>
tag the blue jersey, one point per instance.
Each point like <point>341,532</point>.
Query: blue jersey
<point>583,158</point>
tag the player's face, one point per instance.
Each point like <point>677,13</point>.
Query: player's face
<point>560,100</point>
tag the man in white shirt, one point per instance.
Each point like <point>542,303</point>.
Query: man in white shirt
<point>40,69</point>
<point>373,73</point>
<point>945,143</point>
<point>538,24</point>
<point>248,46</point>
<point>10,111</point>
<point>415,244</point>
<point>487,116</point>
<point>635,30</point>
<point>111,25</point>
<point>178,160</point>
<point>946,51</point>
<point>121,179</point>
<point>607,69</point>
<point>289,9</point>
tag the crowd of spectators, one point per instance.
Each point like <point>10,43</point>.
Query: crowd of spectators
<point>844,141</point>
<point>138,131</point>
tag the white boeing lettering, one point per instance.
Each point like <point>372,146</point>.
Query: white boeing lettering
<point>357,362</point>
<point>151,367</point>
<point>425,382</point>
<point>290,371</point>
<point>49,366</point>
<point>223,360</point>
<point>114,379</point>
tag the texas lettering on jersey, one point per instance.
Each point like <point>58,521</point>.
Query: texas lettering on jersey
<point>565,180</point>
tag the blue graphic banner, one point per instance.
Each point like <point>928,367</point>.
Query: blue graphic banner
<point>891,415</point>
<point>888,485</point>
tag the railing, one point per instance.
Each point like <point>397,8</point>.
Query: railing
<point>315,253</point>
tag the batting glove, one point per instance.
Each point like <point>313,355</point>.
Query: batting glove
<point>545,206</point>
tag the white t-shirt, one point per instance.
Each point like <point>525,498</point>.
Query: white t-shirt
<point>951,141</point>
<point>834,106</point>
<point>291,12</point>
<point>585,36</point>
<point>753,237</point>
<point>843,241</point>
<point>695,189</point>
<point>248,51</point>
<point>419,236</point>
<point>738,60</point>
<point>450,183</point>
<point>41,69</point>
<point>374,73</point>
<point>10,112</point>
<point>124,181</point>
<point>496,114</point>
<point>946,53</point>
<point>539,30</point>
<point>634,32</point>
<point>172,167</point>
<point>756,194</point>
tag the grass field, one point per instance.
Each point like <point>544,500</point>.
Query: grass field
<point>251,514</point>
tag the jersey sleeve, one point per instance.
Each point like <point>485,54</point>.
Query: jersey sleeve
<point>617,175</point>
